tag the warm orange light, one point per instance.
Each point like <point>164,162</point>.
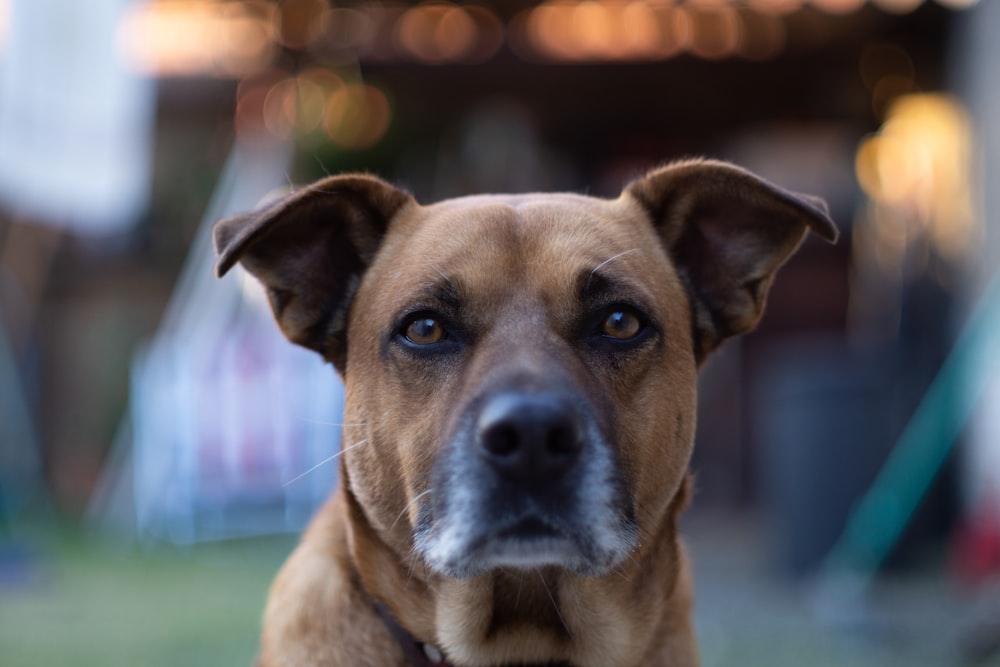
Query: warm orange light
<point>716,33</point>
<point>490,34</point>
<point>301,23</point>
<point>550,30</point>
<point>887,90</point>
<point>438,32</point>
<point>593,26</point>
<point>188,38</point>
<point>597,30</point>
<point>357,116</point>
<point>294,106</point>
<point>917,169</point>
<point>641,30</point>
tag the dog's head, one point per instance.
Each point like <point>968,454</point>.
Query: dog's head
<point>521,370</point>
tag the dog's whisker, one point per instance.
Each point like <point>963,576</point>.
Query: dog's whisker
<point>520,584</point>
<point>321,165</point>
<point>631,556</point>
<point>608,261</point>
<point>413,556</point>
<point>328,459</point>
<point>555,606</point>
<point>408,506</point>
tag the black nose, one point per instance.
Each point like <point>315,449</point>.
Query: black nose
<point>528,438</point>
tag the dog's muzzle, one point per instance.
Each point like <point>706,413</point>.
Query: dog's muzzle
<point>528,480</point>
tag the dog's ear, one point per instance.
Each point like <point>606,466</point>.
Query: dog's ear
<point>309,250</point>
<point>727,232</point>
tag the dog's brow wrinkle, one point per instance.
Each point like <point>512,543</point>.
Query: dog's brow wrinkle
<point>446,291</point>
<point>328,459</point>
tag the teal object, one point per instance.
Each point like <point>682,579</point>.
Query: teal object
<point>20,467</point>
<point>879,519</point>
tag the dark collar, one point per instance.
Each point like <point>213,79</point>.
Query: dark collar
<point>422,654</point>
<point>418,653</point>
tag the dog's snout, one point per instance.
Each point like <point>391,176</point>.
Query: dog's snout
<point>529,437</point>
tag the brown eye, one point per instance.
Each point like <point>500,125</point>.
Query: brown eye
<point>424,331</point>
<point>621,324</point>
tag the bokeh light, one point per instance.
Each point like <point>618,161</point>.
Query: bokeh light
<point>233,37</point>
<point>918,169</point>
<point>302,23</point>
<point>595,30</point>
<point>188,38</point>
<point>716,33</point>
<point>357,116</point>
<point>277,105</point>
<point>437,33</point>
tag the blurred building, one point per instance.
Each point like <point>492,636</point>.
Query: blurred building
<point>885,108</point>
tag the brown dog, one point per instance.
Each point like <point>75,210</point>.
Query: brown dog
<point>520,376</point>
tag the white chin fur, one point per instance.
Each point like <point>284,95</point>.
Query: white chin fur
<point>453,557</point>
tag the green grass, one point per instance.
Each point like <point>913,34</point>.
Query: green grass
<point>85,602</point>
<point>90,602</point>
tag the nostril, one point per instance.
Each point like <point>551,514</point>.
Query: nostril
<point>562,441</point>
<point>501,440</point>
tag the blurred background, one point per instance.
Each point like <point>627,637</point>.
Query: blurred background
<point>161,445</point>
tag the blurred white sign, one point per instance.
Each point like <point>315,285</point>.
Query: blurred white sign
<point>75,124</point>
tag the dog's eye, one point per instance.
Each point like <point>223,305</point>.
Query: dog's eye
<point>424,331</point>
<point>621,324</point>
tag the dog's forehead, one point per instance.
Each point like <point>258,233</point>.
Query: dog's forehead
<point>489,248</point>
<point>485,254</point>
<point>550,234</point>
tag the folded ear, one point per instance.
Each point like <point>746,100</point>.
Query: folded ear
<point>727,232</point>
<point>309,250</point>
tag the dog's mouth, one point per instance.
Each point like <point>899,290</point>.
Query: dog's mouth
<point>462,549</point>
<point>528,529</point>
<point>527,543</point>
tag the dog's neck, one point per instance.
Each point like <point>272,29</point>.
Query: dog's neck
<point>422,654</point>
